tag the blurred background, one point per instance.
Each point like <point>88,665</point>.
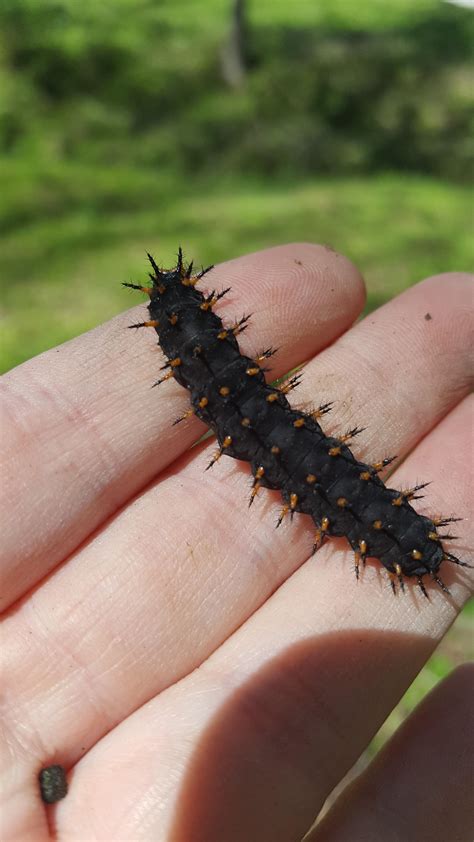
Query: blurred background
<point>227,126</point>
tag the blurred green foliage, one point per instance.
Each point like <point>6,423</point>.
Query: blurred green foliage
<point>118,132</point>
<point>84,230</point>
<point>327,89</point>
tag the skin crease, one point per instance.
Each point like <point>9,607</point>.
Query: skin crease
<point>158,570</point>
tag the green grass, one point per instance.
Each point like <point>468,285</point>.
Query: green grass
<point>74,233</point>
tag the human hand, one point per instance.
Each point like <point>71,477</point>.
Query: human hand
<point>200,677</point>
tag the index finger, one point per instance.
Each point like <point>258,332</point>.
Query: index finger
<point>83,432</point>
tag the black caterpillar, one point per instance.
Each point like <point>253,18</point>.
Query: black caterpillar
<point>287,449</point>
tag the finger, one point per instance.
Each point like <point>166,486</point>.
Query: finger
<point>420,785</point>
<point>182,557</point>
<point>83,431</point>
<point>272,721</point>
<point>398,372</point>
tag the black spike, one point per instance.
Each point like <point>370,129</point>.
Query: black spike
<point>355,431</point>
<point>209,297</point>
<point>156,268</point>
<point>455,560</point>
<point>268,352</point>
<point>324,408</point>
<point>205,271</point>
<point>160,381</point>
<point>181,418</point>
<point>410,495</point>
<point>441,584</point>
<point>179,265</point>
<point>213,461</point>
<point>446,520</point>
<point>132,286</point>
<point>422,587</point>
<point>293,382</point>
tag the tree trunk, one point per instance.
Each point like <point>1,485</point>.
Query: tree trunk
<point>233,62</point>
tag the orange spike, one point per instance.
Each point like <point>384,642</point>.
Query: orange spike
<point>187,414</point>
<point>379,466</point>
<point>153,323</point>
<point>256,483</point>
<point>240,326</point>
<point>217,455</point>
<point>264,355</point>
<point>283,514</point>
<point>163,379</point>
<point>320,535</point>
<point>351,434</point>
<point>321,410</point>
<point>398,571</point>
<point>189,282</point>
<point>290,384</point>
<point>147,290</point>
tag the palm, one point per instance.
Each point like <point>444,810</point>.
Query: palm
<point>201,677</point>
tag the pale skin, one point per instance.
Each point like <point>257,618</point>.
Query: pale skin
<point>196,672</point>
